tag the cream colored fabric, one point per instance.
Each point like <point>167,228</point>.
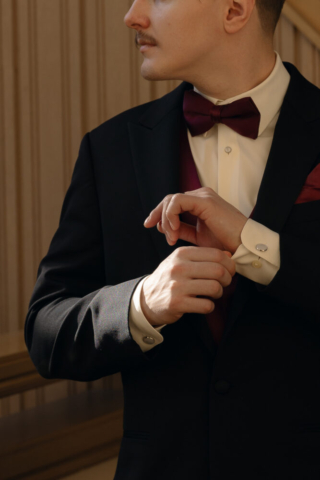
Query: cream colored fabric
<point>236,176</point>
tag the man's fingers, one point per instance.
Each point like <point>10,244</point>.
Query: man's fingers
<point>168,213</point>
<point>180,203</point>
<point>172,236</point>
<point>186,232</point>
<point>207,254</point>
<point>208,271</point>
<point>177,204</point>
<point>155,215</point>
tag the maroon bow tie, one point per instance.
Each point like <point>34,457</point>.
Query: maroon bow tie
<point>200,114</point>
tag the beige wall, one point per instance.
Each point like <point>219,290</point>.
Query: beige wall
<point>66,66</point>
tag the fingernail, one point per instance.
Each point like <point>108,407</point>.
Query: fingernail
<point>146,220</point>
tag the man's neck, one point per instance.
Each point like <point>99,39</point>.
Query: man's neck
<point>242,77</point>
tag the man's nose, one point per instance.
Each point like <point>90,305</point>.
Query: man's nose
<point>137,16</point>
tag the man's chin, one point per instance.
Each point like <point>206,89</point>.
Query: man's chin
<point>152,74</point>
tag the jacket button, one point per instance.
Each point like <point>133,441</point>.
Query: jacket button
<point>222,386</point>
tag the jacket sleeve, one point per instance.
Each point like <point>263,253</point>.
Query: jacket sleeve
<point>77,327</point>
<point>297,282</point>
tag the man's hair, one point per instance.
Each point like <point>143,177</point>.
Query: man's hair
<point>269,12</point>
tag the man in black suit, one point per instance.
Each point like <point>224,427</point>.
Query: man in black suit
<point>113,295</point>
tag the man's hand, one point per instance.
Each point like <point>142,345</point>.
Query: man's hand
<point>186,281</point>
<point>219,224</point>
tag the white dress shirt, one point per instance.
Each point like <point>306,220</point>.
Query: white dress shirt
<point>233,166</point>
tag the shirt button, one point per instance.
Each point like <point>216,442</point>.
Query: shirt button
<point>261,247</point>
<point>228,150</point>
<point>149,340</point>
<point>256,264</point>
<point>205,134</point>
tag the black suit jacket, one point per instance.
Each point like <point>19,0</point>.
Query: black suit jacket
<point>192,411</point>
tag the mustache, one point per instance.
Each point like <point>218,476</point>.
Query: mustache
<point>139,36</point>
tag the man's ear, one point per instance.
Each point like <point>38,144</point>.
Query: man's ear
<point>237,14</point>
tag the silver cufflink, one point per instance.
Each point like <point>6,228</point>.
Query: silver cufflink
<point>261,247</point>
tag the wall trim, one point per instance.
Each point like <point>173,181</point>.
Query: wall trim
<point>301,19</point>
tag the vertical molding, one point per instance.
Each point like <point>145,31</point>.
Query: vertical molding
<point>306,58</point>
<point>99,74</point>
<point>287,40</point>
<point>101,61</point>
<point>75,87</point>
<point>35,145</point>
<point>25,206</point>
<point>65,97</point>
<point>4,306</point>
<point>35,132</point>
<point>83,66</point>
<point>19,287</point>
<point>10,156</point>
<point>10,317</point>
<point>90,54</point>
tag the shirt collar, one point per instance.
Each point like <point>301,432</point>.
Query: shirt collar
<point>268,95</point>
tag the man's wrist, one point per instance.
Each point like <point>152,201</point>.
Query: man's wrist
<point>147,312</point>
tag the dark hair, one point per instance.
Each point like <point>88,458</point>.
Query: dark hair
<point>269,12</point>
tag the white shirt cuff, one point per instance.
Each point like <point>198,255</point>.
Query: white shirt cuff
<point>139,325</point>
<point>261,267</point>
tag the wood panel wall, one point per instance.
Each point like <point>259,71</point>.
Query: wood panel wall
<point>66,66</point>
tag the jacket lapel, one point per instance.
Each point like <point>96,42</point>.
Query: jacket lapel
<point>154,141</point>
<point>155,151</point>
